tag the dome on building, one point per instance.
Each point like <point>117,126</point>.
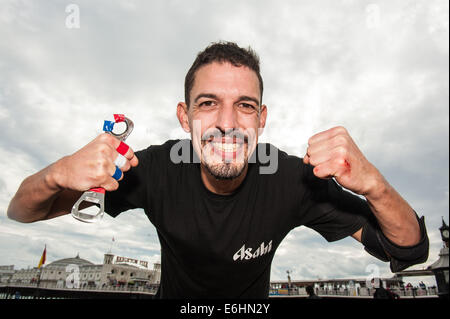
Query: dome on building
<point>70,261</point>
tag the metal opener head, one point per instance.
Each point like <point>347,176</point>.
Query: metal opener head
<point>128,129</point>
<point>91,214</point>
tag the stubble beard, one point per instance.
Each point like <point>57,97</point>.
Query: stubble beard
<point>225,171</point>
<point>223,168</point>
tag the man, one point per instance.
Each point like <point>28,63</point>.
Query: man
<point>311,293</point>
<point>382,293</point>
<point>219,215</point>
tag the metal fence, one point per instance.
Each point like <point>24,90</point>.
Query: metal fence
<point>356,292</point>
<point>120,288</point>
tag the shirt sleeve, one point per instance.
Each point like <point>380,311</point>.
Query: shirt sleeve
<point>132,191</point>
<point>328,209</point>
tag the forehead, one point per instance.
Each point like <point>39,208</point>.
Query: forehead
<point>225,79</point>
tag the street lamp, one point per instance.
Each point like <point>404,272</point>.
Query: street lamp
<point>289,281</point>
<point>440,267</point>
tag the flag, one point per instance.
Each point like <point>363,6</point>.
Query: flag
<point>42,261</point>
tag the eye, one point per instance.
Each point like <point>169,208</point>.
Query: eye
<point>207,104</point>
<point>247,106</point>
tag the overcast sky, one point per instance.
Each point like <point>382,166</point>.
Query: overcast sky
<point>379,68</point>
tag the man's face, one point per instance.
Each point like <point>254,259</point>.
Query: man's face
<point>224,117</point>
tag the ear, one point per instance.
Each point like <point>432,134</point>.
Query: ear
<point>262,119</point>
<point>182,114</point>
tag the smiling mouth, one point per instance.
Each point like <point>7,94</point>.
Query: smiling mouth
<point>226,148</point>
<point>228,145</point>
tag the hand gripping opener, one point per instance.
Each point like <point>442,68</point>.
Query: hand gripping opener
<point>97,195</point>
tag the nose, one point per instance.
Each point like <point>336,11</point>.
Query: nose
<point>227,118</point>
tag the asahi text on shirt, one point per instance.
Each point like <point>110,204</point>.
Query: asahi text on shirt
<point>248,253</point>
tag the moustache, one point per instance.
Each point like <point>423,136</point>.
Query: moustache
<point>231,134</point>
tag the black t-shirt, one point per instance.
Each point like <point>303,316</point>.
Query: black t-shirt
<point>215,246</point>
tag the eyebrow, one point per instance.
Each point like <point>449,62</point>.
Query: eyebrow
<point>205,95</point>
<point>248,98</point>
<point>213,96</point>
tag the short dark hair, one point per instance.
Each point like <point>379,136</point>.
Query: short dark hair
<point>223,52</point>
<point>310,290</point>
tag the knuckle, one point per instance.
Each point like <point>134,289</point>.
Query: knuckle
<point>340,129</point>
<point>104,137</point>
<point>107,138</point>
<point>111,186</point>
<point>341,151</point>
<point>134,161</point>
<point>103,148</point>
<point>126,167</point>
<point>102,163</point>
<point>99,175</point>
<point>340,161</point>
<point>340,139</point>
<point>101,168</point>
<point>130,153</point>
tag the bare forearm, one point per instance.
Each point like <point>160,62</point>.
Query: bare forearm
<point>335,154</point>
<point>53,191</point>
<point>395,216</point>
<point>35,197</point>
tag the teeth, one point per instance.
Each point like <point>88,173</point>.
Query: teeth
<point>226,147</point>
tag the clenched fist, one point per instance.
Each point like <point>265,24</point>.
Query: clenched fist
<point>333,153</point>
<point>92,166</point>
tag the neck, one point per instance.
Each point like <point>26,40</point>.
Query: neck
<point>221,187</point>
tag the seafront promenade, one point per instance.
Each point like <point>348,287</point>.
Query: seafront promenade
<point>31,291</point>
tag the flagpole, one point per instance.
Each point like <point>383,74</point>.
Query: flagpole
<point>41,263</point>
<point>110,247</point>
